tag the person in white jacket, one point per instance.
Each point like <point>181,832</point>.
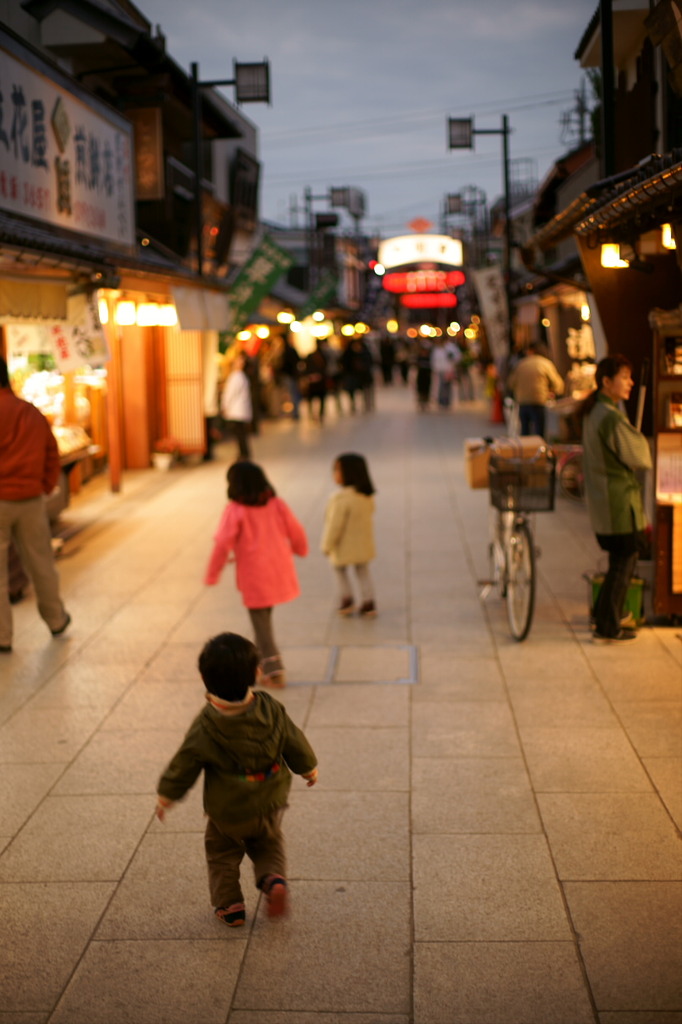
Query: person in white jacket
<point>348,537</point>
<point>236,405</point>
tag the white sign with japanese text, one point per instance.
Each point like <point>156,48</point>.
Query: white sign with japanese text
<point>489,285</point>
<point>61,161</point>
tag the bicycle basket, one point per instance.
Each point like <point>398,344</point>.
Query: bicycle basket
<point>522,485</point>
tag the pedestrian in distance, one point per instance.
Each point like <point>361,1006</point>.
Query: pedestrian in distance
<point>29,470</point>
<point>260,533</point>
<point>247,747</point>
<point>533,381</point>
<point>316,381</point>
<point>348,536</point>
<point>236,405</point>
<point>613,451</point>
<point>424,376</point>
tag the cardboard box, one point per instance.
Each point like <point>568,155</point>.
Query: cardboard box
<point>477,455</point>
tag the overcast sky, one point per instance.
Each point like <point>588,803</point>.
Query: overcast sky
<point>362,89</point>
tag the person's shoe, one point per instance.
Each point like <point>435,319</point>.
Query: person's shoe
<point>233,916</point>
<point>5,648</point>
<point>368,610</point>
<point>62,629</point>
<point>276,680</point>
<point>277,895</point>
<point>346,607</point>
<point>627,622</point>
<point>623,636</point>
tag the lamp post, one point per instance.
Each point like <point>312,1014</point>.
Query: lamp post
<point>461,134</point>
<point>252,85</point>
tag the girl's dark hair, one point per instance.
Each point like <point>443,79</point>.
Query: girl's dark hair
<point>354,472</point>
<point>609,366</point>
<point>228,664</point>
<point>247,484</point>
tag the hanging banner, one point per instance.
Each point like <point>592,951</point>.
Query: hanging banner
<point>320,296</point>
<point>257,277</point>
<point>489,285</point>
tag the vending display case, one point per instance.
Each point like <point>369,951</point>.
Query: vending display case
<point>667,396</point>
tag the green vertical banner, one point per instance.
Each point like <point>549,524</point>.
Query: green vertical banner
<point>320,295</point>
<point>261,271</point>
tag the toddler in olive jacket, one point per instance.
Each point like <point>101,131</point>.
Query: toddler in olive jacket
<point>247,747</point>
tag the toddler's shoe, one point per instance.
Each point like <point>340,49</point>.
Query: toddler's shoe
<point>368,610</point>
<point>276,895</point>
<point>346,607</point>
<point>64,627</point>
<point>234,916</point>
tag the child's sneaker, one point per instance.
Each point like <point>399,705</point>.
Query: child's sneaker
<point>368,610</point>
<point>233,916</point>
<point>277,895</point>
<point>346,607</point>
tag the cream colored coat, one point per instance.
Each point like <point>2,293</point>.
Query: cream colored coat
<point>348,537</point>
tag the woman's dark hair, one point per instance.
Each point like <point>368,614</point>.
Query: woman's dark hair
<point>247,484</point>
<point>4,374</point>
<point>609,366</point>
<point>354,472</point>
<point>228,664</point>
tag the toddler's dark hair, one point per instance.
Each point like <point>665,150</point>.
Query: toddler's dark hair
<point>354,472</point>
<point>247,484</point>
<point>228,664</point>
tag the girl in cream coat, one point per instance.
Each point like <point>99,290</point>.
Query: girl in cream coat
<point>348,537</point>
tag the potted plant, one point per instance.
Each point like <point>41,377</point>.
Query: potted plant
<point>164,452</point>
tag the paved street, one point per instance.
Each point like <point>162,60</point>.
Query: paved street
<point>494,837</point>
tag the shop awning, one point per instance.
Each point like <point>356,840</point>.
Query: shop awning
<point>31,300</point>
<point>636,200</point>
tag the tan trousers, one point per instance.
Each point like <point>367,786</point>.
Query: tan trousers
<point>226,843</point>
<point>27,523</point>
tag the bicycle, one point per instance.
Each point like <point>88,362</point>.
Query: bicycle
<point>518,486</point>
<point>569,472</point>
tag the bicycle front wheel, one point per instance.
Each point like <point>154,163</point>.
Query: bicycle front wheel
<point>520,580</point>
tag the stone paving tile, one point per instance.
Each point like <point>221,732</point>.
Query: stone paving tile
<point>631,941</point>
<point>45,928</point>
<point>91,838</point>
<point>611,836</point>
<point>382,664</point>
<point>349,757</point>
<point>152,982</point>
<point>148,705</point>
<point>47,735</point>
<point>84,685</point>
<point>463,728</point>
<point>320,958</point>
<point>383,706</point>
<point>164,894</point>
<point>666,775</point>
<point>444,677</point>
<point>22,788</point>
<point>120,761</point>
<point>491,983</point>
<point>499,888</point>
<point>646,1017</point>
<point>264,1017</point>
<point>358,836</point>
<point>654,727</point>
<point>582,760</point>
<point>474,795</point>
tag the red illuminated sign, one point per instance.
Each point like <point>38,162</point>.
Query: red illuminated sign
<point>423,281</point>
<point>429,300</point>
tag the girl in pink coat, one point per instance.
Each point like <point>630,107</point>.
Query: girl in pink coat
<point>259,532</point>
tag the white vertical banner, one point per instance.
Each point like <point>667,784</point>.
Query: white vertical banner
<point>79,341</point>
<point>489,285</point>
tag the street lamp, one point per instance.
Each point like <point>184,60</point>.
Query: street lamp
<point>252,85</point>
<point>461,134</point>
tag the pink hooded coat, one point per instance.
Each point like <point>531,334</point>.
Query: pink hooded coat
<point>261,539</point>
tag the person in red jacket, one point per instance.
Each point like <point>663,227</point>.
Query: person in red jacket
<point>29,469</point>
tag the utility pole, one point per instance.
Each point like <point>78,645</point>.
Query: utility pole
<point>608,97</point>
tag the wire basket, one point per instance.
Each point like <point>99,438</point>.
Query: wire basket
<point>522,485</point>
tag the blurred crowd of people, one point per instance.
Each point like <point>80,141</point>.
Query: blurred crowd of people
<point>275,379</point>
